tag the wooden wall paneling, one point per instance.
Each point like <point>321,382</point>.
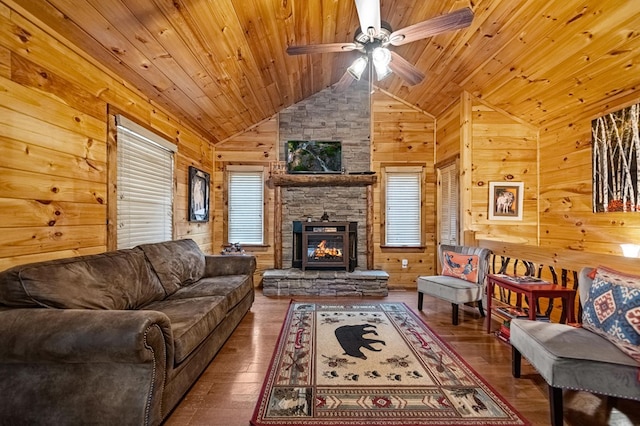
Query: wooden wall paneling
<point>402,135</point>
<point>53,134</point>
<point>503,149</point>
<point>448,134</point>
<point>567,221</point>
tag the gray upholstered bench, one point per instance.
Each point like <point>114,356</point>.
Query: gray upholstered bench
<point>453,288</point>
<point>573,358</point>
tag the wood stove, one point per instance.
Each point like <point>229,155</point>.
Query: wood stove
<point>325,245</point>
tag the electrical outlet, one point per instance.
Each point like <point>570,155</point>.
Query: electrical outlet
<point>405,263</point>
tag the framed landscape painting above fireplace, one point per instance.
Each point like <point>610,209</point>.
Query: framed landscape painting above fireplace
<point>314,157</point>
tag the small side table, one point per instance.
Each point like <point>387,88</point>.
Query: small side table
<point>532,291</point>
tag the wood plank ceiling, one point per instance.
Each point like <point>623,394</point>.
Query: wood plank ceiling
<point>221,65</point>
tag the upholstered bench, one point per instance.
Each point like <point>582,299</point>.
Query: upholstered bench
<point>462,279</point>
<point>576,358</point>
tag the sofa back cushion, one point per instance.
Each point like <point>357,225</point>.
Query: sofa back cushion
<point>177,263</point>
<point>114,280</point>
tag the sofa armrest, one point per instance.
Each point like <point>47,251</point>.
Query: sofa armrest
<point>84,336</point>
<point>217,265</point>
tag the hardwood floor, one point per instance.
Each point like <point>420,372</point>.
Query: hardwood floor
<point>227,391</point>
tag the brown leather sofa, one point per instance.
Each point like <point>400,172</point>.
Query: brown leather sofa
<point>118,337</point>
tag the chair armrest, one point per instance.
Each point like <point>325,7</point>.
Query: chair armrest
<point>84,336</point>
<point>217,265</point>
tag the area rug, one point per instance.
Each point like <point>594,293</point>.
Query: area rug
<point>371,364</point>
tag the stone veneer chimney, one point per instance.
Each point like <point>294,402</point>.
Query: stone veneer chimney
<point>329,115</point>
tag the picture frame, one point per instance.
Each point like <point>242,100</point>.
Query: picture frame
<point>506,200</point>
<point>199,193</point>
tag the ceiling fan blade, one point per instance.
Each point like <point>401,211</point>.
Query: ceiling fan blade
<point>405,69</point>
<point>369,15</point>
<point>321,48</point>
<point>344,82</point>
<point>457,19</point>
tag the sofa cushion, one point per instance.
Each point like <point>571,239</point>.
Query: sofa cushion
<point>613,309</point>
<point>449,288</point>
<point>234,287</point>
<point>114,280</point>
<point>565,357</point>
<point>192,320</point>
<point>463,266</point>
<point>177,263</point>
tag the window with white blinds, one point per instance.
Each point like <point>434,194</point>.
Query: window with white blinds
<point>145,185</point>
<point>448,204</point>
<point>245,212</point>
<point>403,199</point>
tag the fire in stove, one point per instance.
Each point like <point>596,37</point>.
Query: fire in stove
<point>323,252</point>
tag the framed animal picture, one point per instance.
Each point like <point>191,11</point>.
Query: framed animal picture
<point>505,200</point>
<point>198,195</point>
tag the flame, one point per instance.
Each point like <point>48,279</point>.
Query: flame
<point>322,251</point>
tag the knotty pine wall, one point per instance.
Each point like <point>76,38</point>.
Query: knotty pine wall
<point>256,146</point>
<point>403,135</point>
<point>567,221</point>
<point>54,188</point>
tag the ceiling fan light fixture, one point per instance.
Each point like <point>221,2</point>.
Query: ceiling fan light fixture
<point>357,67</point>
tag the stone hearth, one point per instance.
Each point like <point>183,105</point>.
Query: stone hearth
<point>294,282</point>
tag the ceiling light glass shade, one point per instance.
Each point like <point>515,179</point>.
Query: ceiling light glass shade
<point>382,71</point>
<point>381,56</point>
<point>357,67</point>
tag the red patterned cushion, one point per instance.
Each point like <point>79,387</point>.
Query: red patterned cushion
<point>463,266</point>
<point>613,309</point>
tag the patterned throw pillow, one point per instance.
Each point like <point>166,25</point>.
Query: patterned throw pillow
<point>613,309</point>
<point>463,266</point>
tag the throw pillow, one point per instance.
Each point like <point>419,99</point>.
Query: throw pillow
<point>613,309</point>
<point>463,266</point>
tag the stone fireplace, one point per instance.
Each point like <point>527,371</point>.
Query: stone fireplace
<point>325,245</point>
<point>343,198</point>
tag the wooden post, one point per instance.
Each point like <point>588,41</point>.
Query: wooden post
<point>277,227</point>
<point>369,228</point>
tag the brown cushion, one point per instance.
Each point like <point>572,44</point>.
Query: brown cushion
<point>114,280</point>
<point>192,320</point>
<point>177,263</point>
<point>234,287</point>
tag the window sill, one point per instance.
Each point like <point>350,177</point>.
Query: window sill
<point>419,248</point>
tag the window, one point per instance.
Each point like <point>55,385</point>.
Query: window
<point>403,205</point>
<point>245,211</point>
<point>145,185</point>
<point>448,204</point>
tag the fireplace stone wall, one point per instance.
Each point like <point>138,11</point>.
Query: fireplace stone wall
<point>329,115</point>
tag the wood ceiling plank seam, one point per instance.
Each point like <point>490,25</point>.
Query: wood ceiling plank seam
<point>563,69</point>
<point>192,110</point>
<point>267,45</point>
<point>173,56</point>
<point>554,67</point>
<point>329,22</point>
<point>614,51</point>
<point>219,22</point>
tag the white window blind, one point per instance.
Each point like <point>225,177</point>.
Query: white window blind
<point>145,185</point>
<point>245,208</point>
<point>448,205</point>
<point>403,212</point>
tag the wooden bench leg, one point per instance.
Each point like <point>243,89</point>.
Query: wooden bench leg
<point>420,300</point>
<point>516,362</point>
<point>454,313</point>
<point>555,405</point>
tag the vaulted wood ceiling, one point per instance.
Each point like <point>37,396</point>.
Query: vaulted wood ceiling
<point>221,65</point>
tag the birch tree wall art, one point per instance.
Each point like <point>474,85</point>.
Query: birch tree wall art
<point>616,147</point>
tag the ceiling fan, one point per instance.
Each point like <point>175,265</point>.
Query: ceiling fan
<point>374,37</point>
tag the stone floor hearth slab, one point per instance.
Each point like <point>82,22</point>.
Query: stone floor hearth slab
<point>295,282</point>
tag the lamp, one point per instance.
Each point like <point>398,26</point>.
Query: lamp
<point>357,67</point>
<point>381,58</point>
<point>630,250</point>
